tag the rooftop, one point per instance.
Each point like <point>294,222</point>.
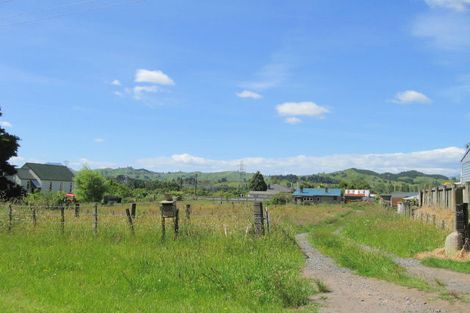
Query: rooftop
<point>50,172</point>
<point>317,192</point>
<point>24,174</point>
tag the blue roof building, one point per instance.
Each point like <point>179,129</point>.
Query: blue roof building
<point>317,195</point>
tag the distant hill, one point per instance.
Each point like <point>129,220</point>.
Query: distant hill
<point>144,174</point>
<point>379,182</point>
<point>409,180</point>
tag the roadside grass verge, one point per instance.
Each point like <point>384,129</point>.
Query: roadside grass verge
<point>462,267</point>
<point>203,271</point>
<point>389,232</point>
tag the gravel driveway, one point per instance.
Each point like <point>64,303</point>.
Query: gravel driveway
<point>353,293</point>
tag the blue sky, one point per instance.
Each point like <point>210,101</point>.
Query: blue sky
<point>285,86</point>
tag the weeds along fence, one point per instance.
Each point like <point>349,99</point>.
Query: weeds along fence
<point>227,219</point>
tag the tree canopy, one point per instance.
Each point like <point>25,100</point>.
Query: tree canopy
<point>8,148</point>
<point>89,185</point>
<point>257,182</point>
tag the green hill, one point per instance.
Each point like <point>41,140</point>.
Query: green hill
<point>350,178</point>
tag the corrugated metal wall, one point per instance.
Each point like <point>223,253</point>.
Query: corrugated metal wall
<point>466,167</point>
<point>466,170</point>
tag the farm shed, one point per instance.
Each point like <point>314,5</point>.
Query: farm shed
<point>356,195</point>
<point>45,177</point>
<point>385,200</point>
<point>317,195</point>
<point>268,194</point>
<point>465,170</point>
<point>399,197</point>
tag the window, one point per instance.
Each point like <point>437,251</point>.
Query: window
<point>70,190</point>
<point>50,186</point>
<point>60,186</point>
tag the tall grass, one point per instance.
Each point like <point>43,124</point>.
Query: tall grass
<point>204,270</point>
<point>386,230</point>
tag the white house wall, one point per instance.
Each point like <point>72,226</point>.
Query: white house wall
<point>54,186</point>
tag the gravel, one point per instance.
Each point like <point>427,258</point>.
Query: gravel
<point>353,293</point>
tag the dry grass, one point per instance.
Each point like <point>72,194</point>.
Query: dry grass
<point>440,254</point>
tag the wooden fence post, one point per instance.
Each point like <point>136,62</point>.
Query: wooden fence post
<point>268,221</point>
<point>188,212</point>
<point>62,219</point>
<point>130,220</point>
<point>258,218</point>
<point>133,210</point>
<point>77,209</point>
<point>177,219</point>
<point>33,212</point>
<point>95,219</point>
<point>10,217</point>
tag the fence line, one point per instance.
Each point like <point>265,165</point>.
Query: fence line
<point>445,197</point>
<point>92,216</point>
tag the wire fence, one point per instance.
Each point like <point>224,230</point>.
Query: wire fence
<point>228,218</point>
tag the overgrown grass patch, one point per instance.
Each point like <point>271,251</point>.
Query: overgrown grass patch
<point>392,233</point>
<point>44,271</point>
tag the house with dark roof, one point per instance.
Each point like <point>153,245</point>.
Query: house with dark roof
<point>44,177</point>
<point>317,195</point>
<point>269,193</point>
<point>25,179</point>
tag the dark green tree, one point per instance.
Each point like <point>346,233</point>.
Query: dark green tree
<point>257,182</point>
<point>8,148</point>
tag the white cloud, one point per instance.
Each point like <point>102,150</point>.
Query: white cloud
<point>17,160</point>
<point>446,31</point>
<point>154,77</point>
<point>116,83</point>
<point>456,5</point>
<point>438,161</point>
<point>305,108</point>
<point>138,91</point>
<point>5,124</point>
<point>411,96</point>
<point>98,140</point>
<point>249,94</point>
<point>293,120</point>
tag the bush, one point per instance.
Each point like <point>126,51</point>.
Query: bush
<point>90,186</point>
<point>45,198</point>
<point>281,198</point>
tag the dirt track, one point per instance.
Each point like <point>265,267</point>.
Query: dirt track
<point>353,293</point>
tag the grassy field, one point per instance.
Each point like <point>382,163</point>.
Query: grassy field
<point>214,266</point>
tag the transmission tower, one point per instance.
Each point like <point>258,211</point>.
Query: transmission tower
<point>241,172</point>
